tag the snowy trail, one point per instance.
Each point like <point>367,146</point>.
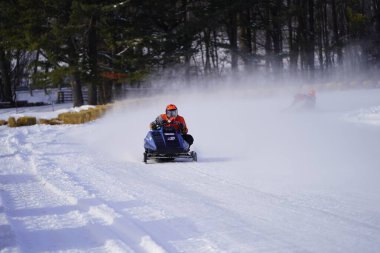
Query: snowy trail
<point>54,211</point>
<point>61,193</point>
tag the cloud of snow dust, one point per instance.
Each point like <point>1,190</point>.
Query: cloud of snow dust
<point>253,128</point>
<point>216,117</point>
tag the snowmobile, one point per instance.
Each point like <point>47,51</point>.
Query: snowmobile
<point>304,100</point>
<point>165,143</point>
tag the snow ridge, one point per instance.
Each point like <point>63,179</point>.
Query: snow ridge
<point>367,116</point>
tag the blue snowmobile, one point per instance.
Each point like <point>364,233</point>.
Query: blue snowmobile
<point>165,143</point>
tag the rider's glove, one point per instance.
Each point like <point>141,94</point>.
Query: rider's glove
<point>181,127</point>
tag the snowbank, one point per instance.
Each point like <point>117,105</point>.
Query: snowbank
<point>367,116</point>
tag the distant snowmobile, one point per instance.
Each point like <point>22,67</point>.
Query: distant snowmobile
<point>304,100</point>
<point>165,143</point>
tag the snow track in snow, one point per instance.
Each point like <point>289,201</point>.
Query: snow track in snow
<point>277,224</point>
<point>51,210</point>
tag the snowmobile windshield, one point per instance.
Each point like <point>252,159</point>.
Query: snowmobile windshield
<point>171,113</point>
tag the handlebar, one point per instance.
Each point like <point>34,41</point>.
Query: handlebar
<point>169,125</point>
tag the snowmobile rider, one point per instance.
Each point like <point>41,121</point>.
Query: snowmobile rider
<point>171,118</point>
<point>306,100</point>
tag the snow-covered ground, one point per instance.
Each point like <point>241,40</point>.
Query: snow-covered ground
<point>50,110</point>
<point>268,179</point>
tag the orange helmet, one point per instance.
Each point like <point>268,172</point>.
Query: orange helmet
<point>312,92</point>
<point>171,111</point>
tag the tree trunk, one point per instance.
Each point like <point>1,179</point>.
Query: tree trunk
<point>45,84</point>
<point>16,70</point>
<point>376,4</point>
<point>35,68</point>
<point>268,40</point>
<point>293,45</point>
<point>207,67</point>
<point>319,33</point>
<point>311,40</point>
<point>277,38</point>
<point>338,43</point>
<point>302,34</point>
<point>232,37</point>
<point>326,36</point>
<point>76,83</point>
<point>376,7</point>
<point>254,43</point>
<point>188,43</point>
<point>118,90</point>
<point>215,55</point>
<point>5,67</point>
<point>105,89</point>
<point>93,63</point>
<point>77,90</point>
<point>245,37</point>
<point>268,51</point>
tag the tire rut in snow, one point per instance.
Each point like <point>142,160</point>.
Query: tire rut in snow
<point>82,208</point>
<point>273,217</point>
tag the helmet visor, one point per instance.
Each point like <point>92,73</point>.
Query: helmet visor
<point>171,113</point>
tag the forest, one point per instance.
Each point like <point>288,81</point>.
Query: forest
<point>103,45</point>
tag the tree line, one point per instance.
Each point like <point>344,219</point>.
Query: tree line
<point>102,44</point>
